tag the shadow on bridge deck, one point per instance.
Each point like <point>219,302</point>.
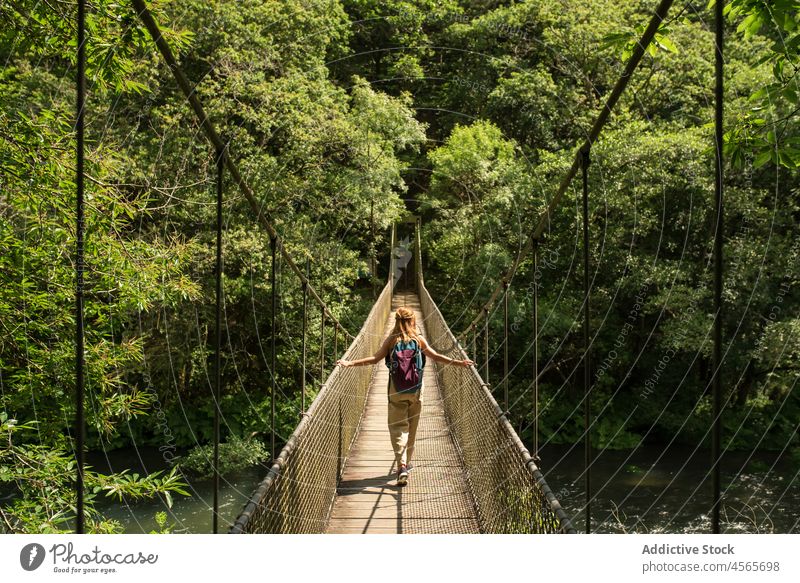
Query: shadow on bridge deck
<point>437,498</point>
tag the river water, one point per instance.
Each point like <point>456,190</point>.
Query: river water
<point>188,514</point>
<point>643,490</point>
<point>653,490</point>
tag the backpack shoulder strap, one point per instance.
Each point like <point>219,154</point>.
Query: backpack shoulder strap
<point>388,358</point>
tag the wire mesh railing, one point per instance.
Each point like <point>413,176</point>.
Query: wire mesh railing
<point>297,494</point>
<point>510,492</point>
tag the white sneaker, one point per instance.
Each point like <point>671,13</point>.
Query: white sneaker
<point>402,475</point>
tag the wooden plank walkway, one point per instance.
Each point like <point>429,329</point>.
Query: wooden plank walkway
<point>436,498</point>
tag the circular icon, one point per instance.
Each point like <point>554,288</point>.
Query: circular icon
<point>31,556</point>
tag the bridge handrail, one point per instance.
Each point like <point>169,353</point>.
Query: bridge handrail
<point>510,491</point>
<point>297,494</point>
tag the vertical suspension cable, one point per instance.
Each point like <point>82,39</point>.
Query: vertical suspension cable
<point>373,261</point>
<point>218,340</point>
<point>392,261</point>
<point>536,351</point>
<point>303,342</point>
<point>505,347</point>
<point>335,341</point>
<point>717,357</point>
<point>79,259</point>
<point>274,391</point>
<point>474,343</point>
<point>587,441</point>
<point>486,347</point>
<point>420,279</point>
<point>405,275</point>
<point>322,350</point>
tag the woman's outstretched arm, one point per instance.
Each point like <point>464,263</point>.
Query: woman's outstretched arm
<point>375,358</point>
<point>431,353</point>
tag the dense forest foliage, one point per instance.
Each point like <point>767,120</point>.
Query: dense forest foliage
<point>346,116</point>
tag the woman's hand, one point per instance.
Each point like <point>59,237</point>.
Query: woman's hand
<point>466,363</point>
<point>343,363</point>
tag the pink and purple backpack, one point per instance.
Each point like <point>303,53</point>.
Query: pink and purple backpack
<point>406,362</point>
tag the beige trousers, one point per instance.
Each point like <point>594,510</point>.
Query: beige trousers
<point>404,413</point>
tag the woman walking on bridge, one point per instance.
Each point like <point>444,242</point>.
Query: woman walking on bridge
<point>404,351</point>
